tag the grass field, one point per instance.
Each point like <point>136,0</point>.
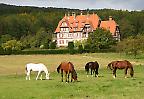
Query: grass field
<point>14,86</point>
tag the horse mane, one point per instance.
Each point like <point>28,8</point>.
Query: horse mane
<point>71,65</point>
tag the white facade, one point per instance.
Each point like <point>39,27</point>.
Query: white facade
<point>64,37</point>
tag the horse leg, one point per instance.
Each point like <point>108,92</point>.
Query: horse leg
<point>96,73</point>
<point>126,72</point>
<point>114,73</point>
<point>87,73</point>
<point>28,75</point>
<point>62,75</point>
<point>38,75</point>
<point>68,77</point>
<point>71,77</point>
<point>41,77</point>
<point>91,72</point>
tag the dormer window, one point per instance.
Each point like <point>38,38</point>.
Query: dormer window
<point>64,24</point>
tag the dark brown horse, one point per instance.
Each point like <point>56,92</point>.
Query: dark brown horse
<point>114,65</point>
<point>68,68</point>
<point>94,66</point>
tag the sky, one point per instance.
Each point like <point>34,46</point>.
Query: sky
<point>81,4</point>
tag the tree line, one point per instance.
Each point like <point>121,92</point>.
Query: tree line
<point>33,27</point>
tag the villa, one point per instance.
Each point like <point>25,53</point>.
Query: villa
<point>76,28</point>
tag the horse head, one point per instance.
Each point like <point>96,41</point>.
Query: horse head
<point>74,75</point>
<point>47,75</point>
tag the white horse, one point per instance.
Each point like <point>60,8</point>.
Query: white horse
<point>36,67</point>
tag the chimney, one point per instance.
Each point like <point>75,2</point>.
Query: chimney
<point>74,15</point>
<point>87,14</point>
<point>68,15</point>
<point>81,13</point>
<point>110,18</point>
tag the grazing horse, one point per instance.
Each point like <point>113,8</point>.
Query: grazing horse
<point>114,65</point>
<point>36,67</point>
<point>68,68</point>
<point>94,66</point>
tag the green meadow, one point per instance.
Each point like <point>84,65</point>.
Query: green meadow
<point>14,86</point>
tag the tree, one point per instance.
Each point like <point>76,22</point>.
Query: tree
<point>71,47</point>
<point>126,28</point>
<point>41,38</point>
<point>12,46</point>
<point>80,49</point>
<point>100,39</point>
<point>131,45</point>
<point>52,45</point>
<point>5,38</point>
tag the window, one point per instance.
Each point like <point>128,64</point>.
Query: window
<point>84,34</point>
<point>61,42</point>
<point>61,35</point>
<point>70,35</point>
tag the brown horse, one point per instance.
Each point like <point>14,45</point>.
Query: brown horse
<point>114,65</point>
<point>68,68</point>
<point>94,66</point>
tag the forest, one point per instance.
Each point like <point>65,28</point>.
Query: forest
<point>34,26</point>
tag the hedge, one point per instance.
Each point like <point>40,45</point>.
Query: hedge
<point>31,52</point>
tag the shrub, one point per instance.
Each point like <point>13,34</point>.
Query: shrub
<point>70,45</point>
<point>12,45</point>
<point>80,49</point>
<point>52,45</point>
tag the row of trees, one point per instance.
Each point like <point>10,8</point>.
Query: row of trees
<point>102,40</point>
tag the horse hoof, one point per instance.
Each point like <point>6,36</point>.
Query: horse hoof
<point>114,77</point>
<point>125,77</point>
<point>87,75</point>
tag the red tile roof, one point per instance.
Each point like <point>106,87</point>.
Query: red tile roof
<point>78,22</point>
<point>109,25</point>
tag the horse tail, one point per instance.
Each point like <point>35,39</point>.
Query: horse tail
<point>109,65</point>
<point>131,71</point>
<point>87,67</point>
<point>26,69</point>
<point>58,69</point>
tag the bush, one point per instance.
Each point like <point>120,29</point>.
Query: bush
<point>12,45</point>
<point>70,45</point>
<point>80,49</point>
<point>52,45</point>
<point>49,51</point>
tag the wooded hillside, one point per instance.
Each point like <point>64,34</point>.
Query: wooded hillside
<point>35,26</point>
